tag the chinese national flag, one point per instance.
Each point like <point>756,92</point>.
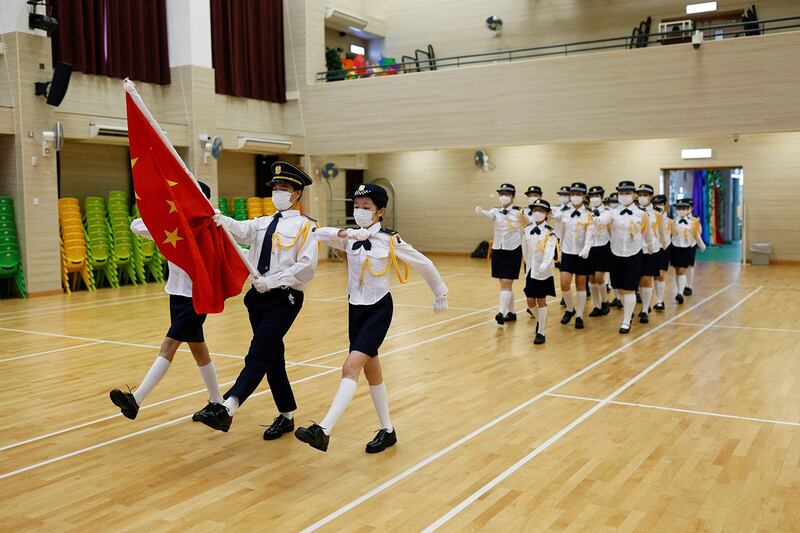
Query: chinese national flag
<point>178,215</point>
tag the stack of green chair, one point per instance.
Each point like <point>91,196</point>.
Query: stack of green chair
<point>224,206</point>
<point>147,260</point>
<point>98,242</point>
<point>121,235</point>
<point>240,208</point>
<point>10,257</point>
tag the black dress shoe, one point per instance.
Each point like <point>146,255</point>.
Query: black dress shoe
<point>280,426</point>
<point>679,298</point>
<point>563,303</point>
<point>510,317</point>
<point>617,303</point>
<point>538,339</point>
<point>659,306</point>
<point>644,318</point>
<point>624,329</point>
<point>499,318</point>
<point>382,440</point>
<point>687,291</point>
<point>215,416</point>
<point>604,308</point>
<point>313,436</point>
<point>579,323</point>
<point>596,312</point>
<point>638,297</point>
<point>528,310</point>
<point>196,417</point>
<point>126,403</point>
<point>567,317</point>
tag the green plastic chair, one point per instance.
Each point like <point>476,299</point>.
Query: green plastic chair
<point>6,200</point>
<point>9,263</point>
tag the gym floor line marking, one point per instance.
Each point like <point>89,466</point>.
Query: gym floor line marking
<point>68,306</point>
<point>187,417</point>
<point>201,391</point>
<point>431,458</point>
<point>751,328</point>
<point>87,307</point>
<point>579,420</point>
<point>679,410</point>
<point>29,355</point>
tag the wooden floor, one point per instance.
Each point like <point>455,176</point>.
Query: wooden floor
<point>690,423</point>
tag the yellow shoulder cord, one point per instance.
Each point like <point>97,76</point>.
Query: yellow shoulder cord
<point>303,233</point>
<point>392,260</point>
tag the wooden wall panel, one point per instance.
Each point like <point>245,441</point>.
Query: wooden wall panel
<point>236,174</point>
<point>89,169</point>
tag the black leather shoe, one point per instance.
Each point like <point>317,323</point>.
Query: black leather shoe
<point>563,303</point>
<point>567,317</point>
<point>644,318</point>
<point>196,417</point>
<point>679,298</point>
<point>624,329</point>
<point>510,317</point>
<point>659,306</point>
<point>280,426</point>
<point>604,308</point>
<point>313,436</point>
<point>617,303</point>
<point>215,416</point>
<point>579,323</point>
<point>382,440</point>
<point>499,318</point>
<point>638,297</point>
<point>126,403</point>
<point>687,291</point>
<point>528,310</point>
<point>596,312</point>
<point>538,339</point>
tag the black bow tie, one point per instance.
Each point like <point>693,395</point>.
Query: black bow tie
<point>366,244</point>
<point>683,221</point>
<point>575,213</point>
<point>626,212</point>
<point>504,211</point>
<point>565,208</point>
<point>596,212</point>
<point>536,231</point>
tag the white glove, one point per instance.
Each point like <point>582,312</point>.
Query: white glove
<point>360,234</point>
<point>217,218</point>
<point>260,283</point>
<point>440,304</point>
<point>584,253</point>
<point>478,210</point>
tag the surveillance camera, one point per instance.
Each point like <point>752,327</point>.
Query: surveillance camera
<point>697,39</point>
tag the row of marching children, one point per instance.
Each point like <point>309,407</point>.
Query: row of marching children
<point>627,240</point>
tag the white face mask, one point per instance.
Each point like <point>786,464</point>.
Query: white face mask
<point>538,216</point>
<point>282,200</point>
<point>563,199</point>
<point>625,199</point>
<point>595,201</point>
<point>683,212</point>
<point>613,205</point>
<point>644,201</point>
<point>532,199</point>
<point>505,199</point>
<point>363,217</point>
<point>576,200</point>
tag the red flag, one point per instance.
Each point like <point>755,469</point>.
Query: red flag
<point>178,215</point>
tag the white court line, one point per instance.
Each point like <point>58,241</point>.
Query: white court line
<point>68,306</point>
<point>572,425</point>
<point>186,417</point>
<point>751,328</point>
<point>679,410</point>
<point>92,306</point>
<point>406,473</point>
<point>26,356</point>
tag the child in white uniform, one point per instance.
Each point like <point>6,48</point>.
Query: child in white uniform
<point>540,247</point>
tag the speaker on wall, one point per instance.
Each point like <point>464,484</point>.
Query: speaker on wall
<point>55,89</point>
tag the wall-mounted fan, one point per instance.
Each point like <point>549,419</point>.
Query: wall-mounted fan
<point>53,139</point>
<point>481,160</point>
<point>329,171</point>
<point>495,24</point>
<point>212,146</point>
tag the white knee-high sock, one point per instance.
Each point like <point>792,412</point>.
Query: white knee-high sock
<point>660,292</point>
<point>607,278</point>
<point>628,305</point>
<point>568,300</point>
<point>510,302</point>
<point>690,277</point>
<point>595,288</point>
<point>157,371</point>
<point>602,293</point>
<point>506,301</point>
<point>542,316</point>
<point>581,295</point>
<point>209,375</point>
<point>231,404</point>
<point>647,296</point>
<point>380,399</point>
<point>681,280</point>
<point>347,389</point>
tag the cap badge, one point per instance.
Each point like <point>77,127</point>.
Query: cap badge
<point>277,169</point>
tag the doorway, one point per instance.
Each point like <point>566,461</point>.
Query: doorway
<point>718,197</point>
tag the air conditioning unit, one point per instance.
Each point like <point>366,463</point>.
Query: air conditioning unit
<point>338,18</point>
<point>107,131</point>
<point>675,29</point>
<point>262,145</point>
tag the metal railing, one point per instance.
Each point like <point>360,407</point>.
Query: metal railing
<point>724,31</point>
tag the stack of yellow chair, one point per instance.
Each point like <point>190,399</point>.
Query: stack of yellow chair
<point>73,245</point>
<point>255,207</point>
<point>268,206</point>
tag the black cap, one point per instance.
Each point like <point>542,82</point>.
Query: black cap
<point>626,186</point>
<point>534,189</point>
<point>613,197</point>
<point>205,188</point>
<point>660,199</point>
<point>541,203</point>
<point>578,187</point>
<point>596,189</point>
<point>689,200</point>
<point>507,187</point>
<point>684,203</point>
<point>645,188</point>
<point>377,193</point>
<point>288,173</point>
<point>564,190</point>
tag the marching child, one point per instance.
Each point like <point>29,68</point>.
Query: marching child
<point>686,234</point>
<point>540,246</point>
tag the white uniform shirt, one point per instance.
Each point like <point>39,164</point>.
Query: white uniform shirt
<point>539,248</point>
<point>628,226</point>
<point>686,232</point>
<point>654,228</point>
<point>578,230</point>
<point>601,233</point>
<point>379,270</point>
<point>290,266</point>
<point>508,224</point>
<point>179,283</point>
<point>665,230</point>
<point>557,224</point>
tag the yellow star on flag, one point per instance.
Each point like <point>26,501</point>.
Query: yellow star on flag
<point>172,183</point>
<point>172,208</point>
<point>136,194</point>
<point>133,161</point>
<point>172,238</point>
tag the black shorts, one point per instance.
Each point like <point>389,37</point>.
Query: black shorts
<point>575,264</point>
<point>368,325</point>
<point>651,265</point>
<point>681,257</point>
<point>506,263</point>
<point>627,271</point>
<point>663,261</point>
<point>600,258</point>
<point>694,254</point>
<point>187,326</point>
<point>539,288</point>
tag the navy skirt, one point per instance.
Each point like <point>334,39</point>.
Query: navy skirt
<point>187,326</point>
<point>368,325</point>
<point>506,263</point>
<point>539,288</point>
<point>601,258</point>
<point>627,271</point>
<point>575,264</point>
<point>681,257</point>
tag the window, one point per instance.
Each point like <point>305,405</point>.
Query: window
<point>357,50</point>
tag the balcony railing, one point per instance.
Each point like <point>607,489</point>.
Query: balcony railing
<point>721,31</point>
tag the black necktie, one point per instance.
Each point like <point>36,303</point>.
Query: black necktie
<point>565,208</point>
<point>266,246</point>
<point>366,244</point>
<point>683,221</point>
<point>575,213</point>
<point>536,231</point>
<point>626,212</point>
<point>504,211</point>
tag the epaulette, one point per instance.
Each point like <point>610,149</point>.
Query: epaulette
<point>314,220</point>
<point>548,226</point>
<point>515,207</point>
<point>388,231</point>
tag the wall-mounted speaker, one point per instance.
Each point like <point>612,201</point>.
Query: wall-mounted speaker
<point>55,89</point>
